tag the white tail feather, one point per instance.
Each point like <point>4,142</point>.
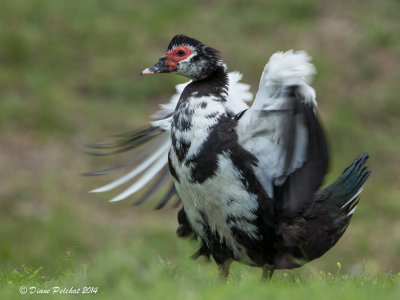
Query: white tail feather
<point>352,198</point>
<point>352,211</point>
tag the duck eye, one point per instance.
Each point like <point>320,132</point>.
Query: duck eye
<point>181,52</point>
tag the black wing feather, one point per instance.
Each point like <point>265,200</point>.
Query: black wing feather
<point>300,186</point>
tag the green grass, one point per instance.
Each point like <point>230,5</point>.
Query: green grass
<point>69,75</point>
<point>139,270</point>
<point>148,267</point>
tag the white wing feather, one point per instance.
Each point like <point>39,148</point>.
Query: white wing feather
<point>137,170</point>
<point>146,178</point>
<point>285,69</point>
<point>238,93</point>
<point>262,127</point>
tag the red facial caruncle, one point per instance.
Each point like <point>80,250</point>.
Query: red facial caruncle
<point>176,55</point>
<point>168,62</point>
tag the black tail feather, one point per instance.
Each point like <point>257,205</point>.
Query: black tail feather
<point>341,192</point>
<point>332,209</point>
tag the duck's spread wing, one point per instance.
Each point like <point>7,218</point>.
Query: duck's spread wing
<point>282,131</point>
<point>238,94</point>
<point>149,149</point>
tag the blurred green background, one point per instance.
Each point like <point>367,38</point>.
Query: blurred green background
<point>69,75</point>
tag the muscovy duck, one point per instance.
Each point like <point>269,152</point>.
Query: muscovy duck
<point>248,176</point>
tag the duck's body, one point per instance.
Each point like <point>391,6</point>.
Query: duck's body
<point>205,156</point>
<point>248,177</point>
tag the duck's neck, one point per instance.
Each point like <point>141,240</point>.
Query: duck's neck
<point>200,107</point>
<point>216,85</point>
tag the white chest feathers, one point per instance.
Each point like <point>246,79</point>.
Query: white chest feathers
<point>193,120</point>
<point>218,205</point>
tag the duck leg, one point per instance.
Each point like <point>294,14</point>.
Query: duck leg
<point>268,271</point>
<point>223,269</point>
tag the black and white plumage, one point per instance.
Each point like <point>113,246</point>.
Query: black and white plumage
<point>248,176</point>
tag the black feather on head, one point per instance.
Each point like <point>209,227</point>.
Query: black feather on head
<point>180,39</point>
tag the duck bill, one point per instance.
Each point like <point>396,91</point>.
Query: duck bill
<point>160,67</point>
